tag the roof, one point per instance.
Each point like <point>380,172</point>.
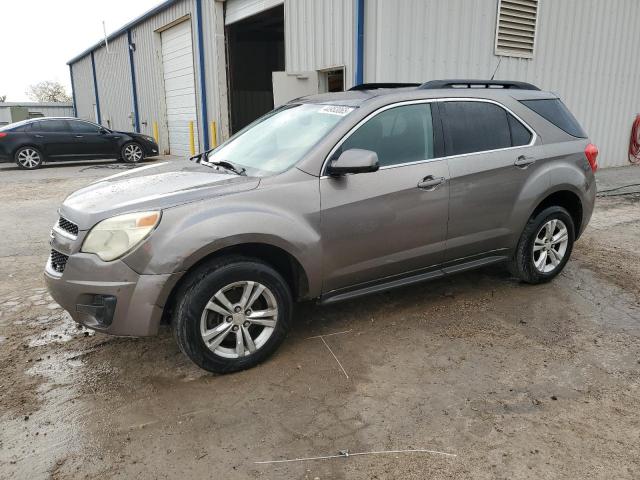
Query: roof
<point>356,97</point>
<point>150,13</point>
<point>37,104</point>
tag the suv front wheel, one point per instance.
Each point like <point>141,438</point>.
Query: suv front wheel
<point>545,246</point>
<point>232,314</point>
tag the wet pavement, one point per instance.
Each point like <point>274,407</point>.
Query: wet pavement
<point>516,381</point>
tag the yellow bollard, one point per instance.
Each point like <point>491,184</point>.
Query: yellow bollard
<point>192,142</point>
<point>155,131</point>
<point>214,135</point>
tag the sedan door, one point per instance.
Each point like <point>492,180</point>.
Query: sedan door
<point>393,221</point>
<point>490,159</point>
<point>93,141</point>
<point>56,138</point>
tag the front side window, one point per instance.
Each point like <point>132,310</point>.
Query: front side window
<point>398,135</point>
<point>83,127</point>
<point>280,139</point>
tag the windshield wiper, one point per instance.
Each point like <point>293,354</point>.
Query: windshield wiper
<point>232,167</point>
<point>227,166</point>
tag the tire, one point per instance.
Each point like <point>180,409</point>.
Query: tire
<point>528,264</point>
<point>28,158</point>
<point>199,313</point>
<point>132,152</point>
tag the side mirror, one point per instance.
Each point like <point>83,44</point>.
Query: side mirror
<point>354,161</point>
<point>103,131</point>
<point>197,157</point>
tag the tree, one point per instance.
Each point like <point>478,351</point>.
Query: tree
<point>48,91</point>
<point>3,98</point>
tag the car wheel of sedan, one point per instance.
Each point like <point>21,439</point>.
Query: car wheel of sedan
<point>232,314</point>
<point>132,153</point>
<point>28,158</point>
<point>545,246</point>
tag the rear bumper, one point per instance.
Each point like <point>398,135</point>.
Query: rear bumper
<point>108,296</point>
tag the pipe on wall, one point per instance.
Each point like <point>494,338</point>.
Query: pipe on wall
<point>73,92</point>
<point>202,77</point>
<point>134,88</point>
<point>359,63</point>
<point>95,88</point>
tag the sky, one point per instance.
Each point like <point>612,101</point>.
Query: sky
<point>39,37</point>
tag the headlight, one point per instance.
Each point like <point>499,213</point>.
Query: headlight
<point>113,237</point>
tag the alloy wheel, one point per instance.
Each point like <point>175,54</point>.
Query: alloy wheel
<point>29,158</point>
<point>133,153</point>
<point>550,245</point>
<point>239,319</point>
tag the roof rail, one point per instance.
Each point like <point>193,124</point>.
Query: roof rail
<point>462,83</point>
<point>375,86</point>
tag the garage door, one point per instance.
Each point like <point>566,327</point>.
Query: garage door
<point>179,85</point>
<point>236,10</point>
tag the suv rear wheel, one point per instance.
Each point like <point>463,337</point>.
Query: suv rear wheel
<point>232,314</point>
<point>545,246</point>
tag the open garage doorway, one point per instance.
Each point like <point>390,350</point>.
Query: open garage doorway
<point>255,49</point>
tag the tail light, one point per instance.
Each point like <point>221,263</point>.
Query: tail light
<point>591,152</point>
<point>3,134</point>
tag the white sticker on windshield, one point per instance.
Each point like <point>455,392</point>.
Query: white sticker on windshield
<point>336,110</point>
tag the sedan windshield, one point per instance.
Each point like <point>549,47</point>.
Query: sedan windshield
<point>278,140</point>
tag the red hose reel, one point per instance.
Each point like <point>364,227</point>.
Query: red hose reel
<point>634,142</point>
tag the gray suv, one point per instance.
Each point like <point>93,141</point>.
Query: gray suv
<point>329,197</point>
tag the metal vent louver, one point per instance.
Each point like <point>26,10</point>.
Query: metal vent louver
<point>516,27</point>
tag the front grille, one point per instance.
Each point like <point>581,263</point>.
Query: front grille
<point>58,261</point>
<point>67,226</point>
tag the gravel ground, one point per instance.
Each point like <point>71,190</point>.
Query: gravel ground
<point>516,381</point>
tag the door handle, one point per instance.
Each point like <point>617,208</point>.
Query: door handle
<point>524,161</point>
<point>430,182</point>
<point>79,136</point>
<point>39,136</point>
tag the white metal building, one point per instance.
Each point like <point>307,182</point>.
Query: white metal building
<point>220,64</point>
<point>15,111</point>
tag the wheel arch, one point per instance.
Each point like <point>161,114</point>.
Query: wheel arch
<point>277,257</point>
<point>567,199</point>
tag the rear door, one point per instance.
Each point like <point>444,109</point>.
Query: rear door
<point>490,159</point>
<point>56,137</point>
<point>91,140</point>
<point>392,221</point>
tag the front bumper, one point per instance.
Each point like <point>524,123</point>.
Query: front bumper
<point>108,296</point>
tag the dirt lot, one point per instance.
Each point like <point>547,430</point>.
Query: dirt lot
<point>517,381</point>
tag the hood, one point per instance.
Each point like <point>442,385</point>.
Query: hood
<point>152,187</point>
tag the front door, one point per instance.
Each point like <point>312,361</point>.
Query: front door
<point>393,221</point>
<point>490,160</point>
<point>92,141</point>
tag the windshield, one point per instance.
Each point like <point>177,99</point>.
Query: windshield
<point>278,140</point>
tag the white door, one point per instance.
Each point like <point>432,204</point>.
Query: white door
<point>179,86</point>
<point>287,86</point>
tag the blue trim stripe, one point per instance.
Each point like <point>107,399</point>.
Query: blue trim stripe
<point>73,92</point>
<point>359,70</point>
<point>134,88</point>
<point>95,88</point>
<point>203,87</point>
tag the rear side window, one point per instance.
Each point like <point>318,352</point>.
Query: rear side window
<point>398,135</point>
<point>557,113</point>
<point>519,133</point>
<point>52,126</point>
<point>474,127</point>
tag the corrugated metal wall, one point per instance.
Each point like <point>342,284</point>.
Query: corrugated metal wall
<point>83,87</point>
<point>114,85</point>
<point>319,34</point>
<point>586,51</point>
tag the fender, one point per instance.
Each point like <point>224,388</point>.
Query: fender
<point>188,233</point>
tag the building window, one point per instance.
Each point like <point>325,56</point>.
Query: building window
<point>516,28</point>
